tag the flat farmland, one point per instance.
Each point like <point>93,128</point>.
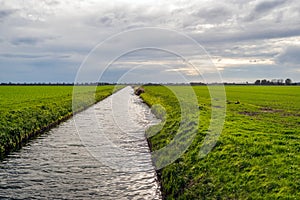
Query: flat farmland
<point>257,155</point>
<point>29,110</point>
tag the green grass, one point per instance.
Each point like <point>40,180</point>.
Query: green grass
<point>28,110</point>
<point>257,155</point>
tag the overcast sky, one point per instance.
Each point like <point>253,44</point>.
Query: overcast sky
<point>48,40</point>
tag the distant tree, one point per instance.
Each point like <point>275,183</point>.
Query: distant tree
<point>280,81</point>
<point>264,82</point>
<point>257,82</point>
<point>288,81</point>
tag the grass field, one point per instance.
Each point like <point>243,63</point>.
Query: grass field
<point>257,155</point>
<point>28,110</point>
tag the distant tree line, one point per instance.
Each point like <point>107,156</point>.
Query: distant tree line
<point>197,83</point>
<point>287,81</point>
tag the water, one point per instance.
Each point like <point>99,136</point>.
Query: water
<point>108,159</point>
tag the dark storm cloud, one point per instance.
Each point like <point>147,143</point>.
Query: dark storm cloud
<point>25,41</point>
<point>215,14</point>
<point>290,56</point>
<point>263,8</point>
<point>262,33</point>
<point>51,2</point>
<point>106,20</point>
<point>5,13</point>
<point>126,16</point>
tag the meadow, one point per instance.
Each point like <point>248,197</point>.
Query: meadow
<point>29,110</point>
<point>257,155</point>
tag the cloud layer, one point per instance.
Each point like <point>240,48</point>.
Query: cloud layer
<point>47,41</point>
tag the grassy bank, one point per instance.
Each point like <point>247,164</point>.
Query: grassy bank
<point>29,110</point>
<point>257,155</point>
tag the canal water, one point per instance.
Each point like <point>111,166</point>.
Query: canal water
<point>100,153</point>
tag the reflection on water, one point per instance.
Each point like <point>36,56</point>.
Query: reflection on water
<point>58,165</point>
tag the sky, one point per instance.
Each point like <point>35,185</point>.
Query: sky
<point>149,41</point>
